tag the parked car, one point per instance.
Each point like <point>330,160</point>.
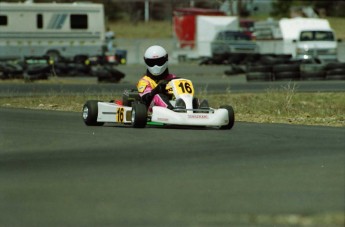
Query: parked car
<point>230,43</point>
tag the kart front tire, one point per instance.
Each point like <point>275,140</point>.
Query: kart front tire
<point>139,115</point>
<point>90,112</point>
<point>231,115</point>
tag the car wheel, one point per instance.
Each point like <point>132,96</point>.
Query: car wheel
<point>231,115</point>
<point>139,115</point>
<point>90,113</point>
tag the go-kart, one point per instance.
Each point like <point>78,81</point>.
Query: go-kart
<point>131,111</point>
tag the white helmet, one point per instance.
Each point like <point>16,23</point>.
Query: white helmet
<point>156,60</point>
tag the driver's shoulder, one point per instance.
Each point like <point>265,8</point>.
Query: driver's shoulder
<point>171,76</point>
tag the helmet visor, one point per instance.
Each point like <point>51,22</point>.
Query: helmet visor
<point>156,61</point>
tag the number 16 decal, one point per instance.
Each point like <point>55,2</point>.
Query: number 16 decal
<point>185,87</point>
<point>119,114</point>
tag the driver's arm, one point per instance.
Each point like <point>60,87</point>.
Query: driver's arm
<point>147,93</point>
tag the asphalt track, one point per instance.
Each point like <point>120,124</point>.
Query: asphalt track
<point>55,171</point>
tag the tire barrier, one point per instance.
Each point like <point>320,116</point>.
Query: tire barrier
<point>259,73</point>
<point>11,70</point>
<point>41,68</point>
<point>107,74</point>
<point>228,59</point>
<point>312,71</point>
<point>276,68</point>
<point>286,72</point>
<point>335,71</point>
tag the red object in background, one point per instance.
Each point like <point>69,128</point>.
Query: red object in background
<point>184,24</point>
<point>119,102</point>
<point>247,26</point>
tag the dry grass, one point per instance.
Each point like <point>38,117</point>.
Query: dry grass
<point>274,106</point>
<point>288,107</point>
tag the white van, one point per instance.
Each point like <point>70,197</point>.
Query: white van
<point>54,29</point>
<point>311,37</point>
<point>302,38</point>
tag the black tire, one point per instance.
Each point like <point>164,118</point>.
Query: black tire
<point>259,68</point>
<point>3,71</point>
<point>251,58</point>
<point>37,69</point>
<point>335,65</point>
<point>90,113</point>
<point>317,75</point>
<point>231,115</point>
<point>311,67</point>
<point>139,115</point>
<point>236,58</point>
<point>107,74</point>
<point>53,55</point>
<point>13,70</point>
<point>335,77</point>
<point>286,68</point>
<point>287,76</point>
<point>270,60</point>
<point>80,59</point>
<point>259,76</point>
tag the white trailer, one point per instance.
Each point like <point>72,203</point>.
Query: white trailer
<point>54,29</point>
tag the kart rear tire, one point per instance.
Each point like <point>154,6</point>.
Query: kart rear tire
<point>90,113</point>
<point>231,115</point>
<point>139,115</point>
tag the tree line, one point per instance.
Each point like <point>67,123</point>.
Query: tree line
<point>134,10</point>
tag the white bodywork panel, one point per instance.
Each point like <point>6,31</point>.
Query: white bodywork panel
<point>163,115</point>
<point>111,112</point>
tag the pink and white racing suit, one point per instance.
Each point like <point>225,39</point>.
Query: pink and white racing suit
<point>145,87</point>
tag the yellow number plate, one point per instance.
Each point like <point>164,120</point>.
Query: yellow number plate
<point>184,87</point>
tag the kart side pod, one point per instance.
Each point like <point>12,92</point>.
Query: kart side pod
<point>96,113</point>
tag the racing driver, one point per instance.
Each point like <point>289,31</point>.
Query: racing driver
<point>152,86</point>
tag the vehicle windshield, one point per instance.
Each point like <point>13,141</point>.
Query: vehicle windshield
<point>317,36</point>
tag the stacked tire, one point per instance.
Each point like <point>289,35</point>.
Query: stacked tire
<point>312,71</point>
<point>10,70</point>
<point>36,68</point>
<point>267,65</point>
<point>335,71</point>
<point>107,74</point>
<point>286,72</point>
<point>259,73</point>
